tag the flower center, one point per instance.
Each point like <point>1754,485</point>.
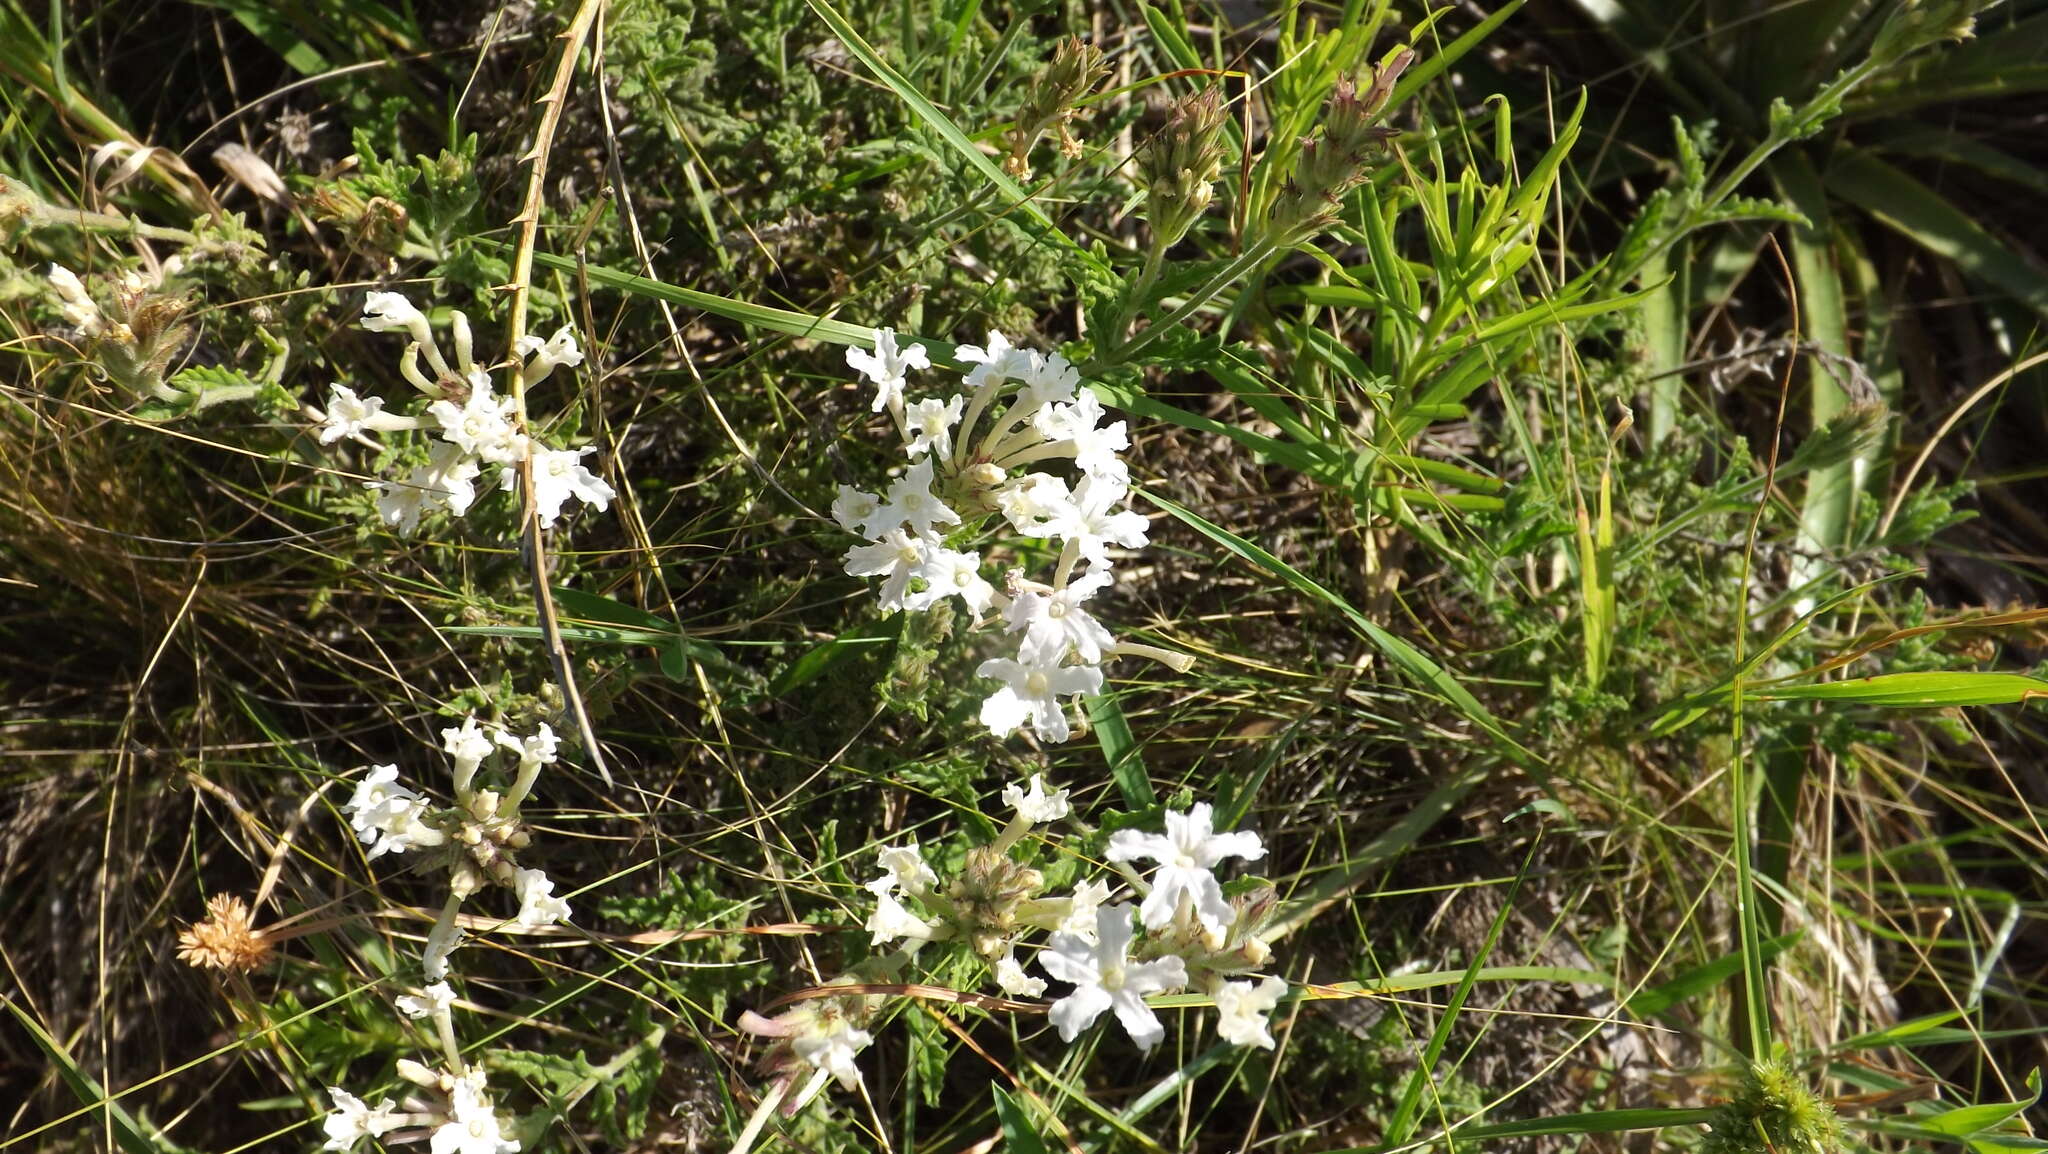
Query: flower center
<point>963,577</point>
<point>1056,610</point>
<point>1036,684</point>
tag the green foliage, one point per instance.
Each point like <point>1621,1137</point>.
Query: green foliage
<point>1774,1111</point>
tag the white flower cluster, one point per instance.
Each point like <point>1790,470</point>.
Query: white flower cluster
<point>972,458</point>
<point>481,834</point>
<point>1193,937</point>
<point>475,425</point>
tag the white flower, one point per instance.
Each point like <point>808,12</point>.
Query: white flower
<point>829,1042</point>
<point>386,815</point>
<point>1095,445</point>
<point>351,1120</point>
<point>886,367</point>
<point>1186,853</point>
<point>531,751</point>
<point>852,507</point>
<point>947,573</point>
<point>558,476</point>
<point>437,1000</point>
<point>1093,523</point>
<point>1105,978</point>
<point>1048,380</point>
<point>904,866</point>
<point>349,415</point>
<point>79,309</point>
<point>1035,805</point>
<point>910,501</point>
<point>447,481</point>
<point>1086,899</point>
<point>897,557</point>
<point>1054,622</point>
<point>1241,1010</point>
<point>543,356</point>
<point>1012,979</point>
<point>441,942</point>
<point>388,312</point>
<point>481,426</point>
<point>1031,691</point>
<point>467,747</point>
<point>472,1126</point>
<point>1034,502</point>
<point>893,920</point>
<point>537,904</point>
<point>998,360</point>
<point>931,426</point>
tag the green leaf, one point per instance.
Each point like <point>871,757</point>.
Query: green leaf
<point>125,1129</point>
<point>1120,750</point>
<point>1932,221</point>
<point>1923,690</point>
<point>821,658</point>
<point>1019,1136</point>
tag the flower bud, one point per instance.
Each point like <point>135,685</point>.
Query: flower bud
<point>1334,163</point>
<point>1180,164</point>
<point>1074,71</point>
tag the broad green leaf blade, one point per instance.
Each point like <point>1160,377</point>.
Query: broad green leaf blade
<point>1930,220</point>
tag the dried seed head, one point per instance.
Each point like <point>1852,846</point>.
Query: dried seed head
<point>226,940</point>
<point>1072,73</point>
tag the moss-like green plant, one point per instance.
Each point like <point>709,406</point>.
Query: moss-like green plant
<point>1774,1111</point>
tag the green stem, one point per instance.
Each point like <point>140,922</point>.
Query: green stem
<point>1245,262</point>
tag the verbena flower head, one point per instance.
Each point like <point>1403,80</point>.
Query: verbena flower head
<point>973,463</point>
<point>473,426</point>
<point>1186,853</point>
<point>1105,978</point>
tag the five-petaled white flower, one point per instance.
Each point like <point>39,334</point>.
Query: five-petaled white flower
<point>1186,853</point>
<point>1034,502</point>
<point>949,574</point>
<point>1054,622</point>
<point>1049,380</point>
<point>897,557</point>
<point>531,751</point>
<point>931,426</point>
<point>893,920</point>
<point>348,415</point>
<point>1092,522</point>
<point>1095,445</point>
<point>1031,692</point>
<point>557,476</point>
<point>1034,804</point>
<point>902,866</point>
<point>910,501</point>
<point>472,1126</point>
<point>466,746</point>
<point>998,360</point>
<point>351,1120</point>
<point>852,507</point>
<point>1241,1009</point>
<point>384,312</point>
<point>538,905</point>
<point>887,367</point>
<point>446,481</point>
<point>1105,978</point>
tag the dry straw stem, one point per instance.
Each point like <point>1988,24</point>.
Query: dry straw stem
<point>521,287</point>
